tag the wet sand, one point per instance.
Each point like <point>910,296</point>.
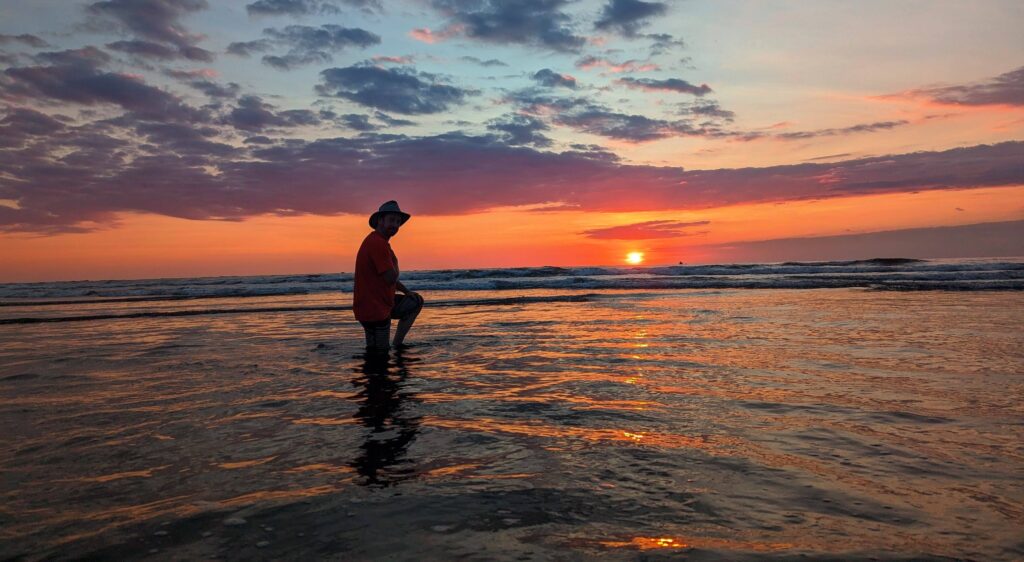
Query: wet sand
<point>721,425</point>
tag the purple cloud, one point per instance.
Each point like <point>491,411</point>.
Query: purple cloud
<point>90,57</point>
<point>76,77</point>
<point>551,79</point>
<point>391,121</point>
<point>400,90</point>
<point>357,122</point>
<point>306,7</point>
<point>645,230</point>
<point>66,176</point>
<point>248,48</point>
<point>156,21</point>
<point>663,43</point>
<point>144,49</point>
<point>253,115</point>
<point>305,44</point>
<point>541,23</point>
<point>589,61</point>
<point>20,124</point>
<point>200,80</point>
<point>1005,89</point>
<point>706,109</point>
<point>628,16</point>
<point>186,139</point>
<point>668,85</point>
<point>481,62</point>
<point>176,176</point>
<point>290,7</point>
<point>627,127</point>
<point>802,135</point>
<point>585,116</point>
<point>25,39</point>
<point>521,130</point>
<point>861,128</point>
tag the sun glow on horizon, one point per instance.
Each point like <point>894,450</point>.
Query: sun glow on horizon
<point>635,258</point>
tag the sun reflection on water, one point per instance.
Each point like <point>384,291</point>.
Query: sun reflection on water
<point>645,543</point>
<point>664,542</point>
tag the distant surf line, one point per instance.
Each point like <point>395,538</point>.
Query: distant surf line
<point>126,299</point>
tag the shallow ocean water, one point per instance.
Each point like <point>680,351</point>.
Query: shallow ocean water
<point>703,424</point>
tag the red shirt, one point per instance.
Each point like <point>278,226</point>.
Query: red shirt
<point>372,298</point>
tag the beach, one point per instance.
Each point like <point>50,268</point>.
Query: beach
<point>568,422</point>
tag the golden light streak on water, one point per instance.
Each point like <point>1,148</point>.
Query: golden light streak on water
<point>656,543</point>
<point>246,464</point>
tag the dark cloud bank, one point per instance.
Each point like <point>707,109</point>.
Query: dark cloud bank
<point>996,239</point>
<point>60,175</point>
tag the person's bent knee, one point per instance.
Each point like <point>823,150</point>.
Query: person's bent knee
<point>414,310</point>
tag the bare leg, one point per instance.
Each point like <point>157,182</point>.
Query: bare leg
<point>406,323</point>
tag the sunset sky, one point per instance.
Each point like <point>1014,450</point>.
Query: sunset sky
<point>173,138</point>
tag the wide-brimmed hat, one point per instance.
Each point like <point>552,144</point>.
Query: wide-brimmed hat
<point>389,207</point>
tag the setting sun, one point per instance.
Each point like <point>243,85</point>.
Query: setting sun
<point>635,258</point>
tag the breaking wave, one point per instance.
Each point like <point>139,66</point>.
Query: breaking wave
<point>896,274</point>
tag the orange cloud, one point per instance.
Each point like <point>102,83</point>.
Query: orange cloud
<point>396,60</point>
<point>427,36</point>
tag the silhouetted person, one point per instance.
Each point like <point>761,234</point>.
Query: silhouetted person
<point>374,301</point>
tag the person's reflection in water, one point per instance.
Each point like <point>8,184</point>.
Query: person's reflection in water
<point>384,408</point>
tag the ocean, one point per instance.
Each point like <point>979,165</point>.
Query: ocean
<point>854,410</point>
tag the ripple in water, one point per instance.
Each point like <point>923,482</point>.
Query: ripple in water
<point>723,425</point>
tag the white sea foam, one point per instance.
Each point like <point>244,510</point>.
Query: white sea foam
<point>891,274</point>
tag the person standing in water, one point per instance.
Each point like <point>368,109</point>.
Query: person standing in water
<point>374,301</point>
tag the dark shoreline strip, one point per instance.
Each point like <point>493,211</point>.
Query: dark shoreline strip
<point>154,298</point>
<point>480,302</point>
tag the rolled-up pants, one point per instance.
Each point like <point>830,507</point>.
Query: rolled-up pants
<point>378,333</point>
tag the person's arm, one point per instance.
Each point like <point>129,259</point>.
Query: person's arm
<point>391,278</point>
<point>380,256</point>
<point>405,290</point>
